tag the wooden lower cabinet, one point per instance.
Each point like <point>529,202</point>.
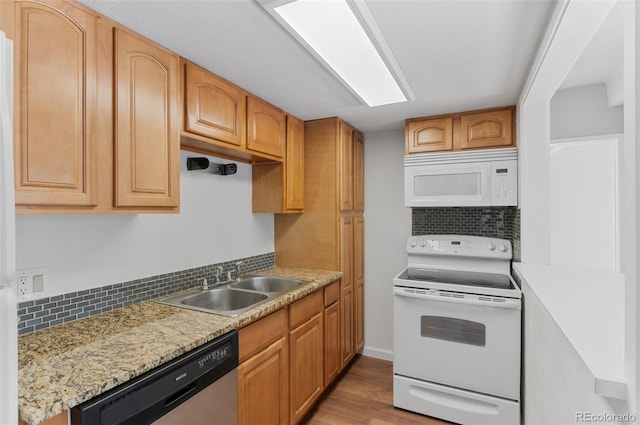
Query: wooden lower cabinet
<point>305,368</point>
<point>332,359</point>
<point>288,358</point>
<point>263,373</point>
<point>358,277</point>
<point>348,349</point>
<point>263,387</point>
<point>59,419</point>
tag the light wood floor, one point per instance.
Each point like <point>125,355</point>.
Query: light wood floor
<point>364,395</point>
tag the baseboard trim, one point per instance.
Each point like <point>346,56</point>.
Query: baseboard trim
<point>378,353</point>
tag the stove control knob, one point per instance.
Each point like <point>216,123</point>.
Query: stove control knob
<point>503,247</point>
<point>423,243</point>
<point>491,246</point>
<point>412,243</point>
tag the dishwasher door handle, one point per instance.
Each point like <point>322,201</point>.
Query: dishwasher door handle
<point>180,394</point>
<point>423,295</point>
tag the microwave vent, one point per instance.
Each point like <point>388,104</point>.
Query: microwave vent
<point>503,154</point>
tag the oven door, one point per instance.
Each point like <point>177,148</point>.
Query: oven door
<point>460,340</point>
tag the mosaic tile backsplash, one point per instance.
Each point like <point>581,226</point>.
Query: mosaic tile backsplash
<point>46,312</point>
<point>494,222</point>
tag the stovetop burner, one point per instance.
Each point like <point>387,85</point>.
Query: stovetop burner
<point>485,280</point>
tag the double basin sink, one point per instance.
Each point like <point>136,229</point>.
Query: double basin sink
<point>233,298</point>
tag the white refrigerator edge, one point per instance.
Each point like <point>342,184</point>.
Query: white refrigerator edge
<point>8,303</point>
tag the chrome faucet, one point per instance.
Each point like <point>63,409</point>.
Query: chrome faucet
<point>217,275</point>
<point>237,266</point>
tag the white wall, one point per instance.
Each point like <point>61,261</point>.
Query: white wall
<point>215,224</point>
<point>387,227</point>
<point>557,385</point>
<point>572,27</point>
<point>584,111</point>
<point>630,227</point>
<point>584,194</point>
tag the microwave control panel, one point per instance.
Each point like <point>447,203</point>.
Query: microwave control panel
<point>504,181</point>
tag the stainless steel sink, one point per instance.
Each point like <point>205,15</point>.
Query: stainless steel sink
<point>233,298</point>
<point>224,299</point>
<point>221,300</point>
<point>269,284</point>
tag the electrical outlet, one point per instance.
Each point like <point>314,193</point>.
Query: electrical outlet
<point>23,286</point>
<point>32,283</point>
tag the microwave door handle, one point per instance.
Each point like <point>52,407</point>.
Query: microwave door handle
<point>507,303</point>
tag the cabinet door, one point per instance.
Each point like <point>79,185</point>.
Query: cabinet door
<point>345,166</point>
<point>358,273</point>
<point>214,107</point>
<point>429,135</point>
<point>263,387</point>
<point>346,302</point>
<point>332,358</point>
<point>266,128</point>
<point>346,250</point>
<point>358,171</point>
<point>147,149</point>
<point>487,129</point>
<point>306,369</point>
<point>294,165</point>
<point>55,104</point>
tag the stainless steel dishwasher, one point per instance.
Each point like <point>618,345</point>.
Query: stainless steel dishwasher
<point>197,388</point>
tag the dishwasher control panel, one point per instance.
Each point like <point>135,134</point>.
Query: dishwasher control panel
<point>216,356</point>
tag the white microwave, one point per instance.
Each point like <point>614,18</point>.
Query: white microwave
<point>462,179</point>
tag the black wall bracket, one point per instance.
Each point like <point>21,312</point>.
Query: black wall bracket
<point>201,163</point>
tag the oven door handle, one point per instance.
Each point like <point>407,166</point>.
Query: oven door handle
<point>507,303</point>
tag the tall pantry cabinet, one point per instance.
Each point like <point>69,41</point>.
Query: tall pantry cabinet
<point>330,233</point>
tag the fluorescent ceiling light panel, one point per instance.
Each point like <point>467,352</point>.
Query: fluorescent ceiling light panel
<point>332,30</point>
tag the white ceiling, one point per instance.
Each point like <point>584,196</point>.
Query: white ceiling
<point>456,55</point>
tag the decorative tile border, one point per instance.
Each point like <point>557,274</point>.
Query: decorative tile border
<point>46,312</point>
<point>494,222</point>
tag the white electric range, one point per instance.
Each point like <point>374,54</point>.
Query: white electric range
<point>457,330</point>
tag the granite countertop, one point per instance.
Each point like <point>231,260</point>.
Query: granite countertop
<point>63,366</point>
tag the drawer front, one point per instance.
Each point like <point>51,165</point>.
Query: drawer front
<point>258,335</point>
<point>305,308</point>
<point>331,293</point>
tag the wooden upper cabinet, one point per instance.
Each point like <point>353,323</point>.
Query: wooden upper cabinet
<point>215,108</point>
<point>486,129</point>
<point>489,128</point>
<point>55,59</point>
<point>358,171</point>
<point>147,146</point>
<point>294,165</point>
<point>429,135</point>
<point>266,128</point>
<point>345,164</point>
<point>278,187</point>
